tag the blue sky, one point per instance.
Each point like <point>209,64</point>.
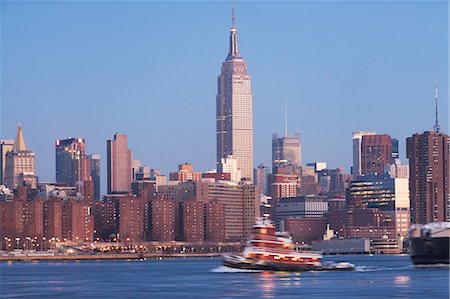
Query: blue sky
<point>149,69</point>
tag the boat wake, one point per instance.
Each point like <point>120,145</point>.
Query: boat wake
<point>225,269</point>
<point>374,268</point>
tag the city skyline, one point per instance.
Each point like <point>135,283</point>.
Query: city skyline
<point>320,74</point>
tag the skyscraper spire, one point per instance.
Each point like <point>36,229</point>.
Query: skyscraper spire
<point>19,143</point>
<point>19,164</point>
<point>232,15</point>
<point>437,127</point>
<point>234,48</point>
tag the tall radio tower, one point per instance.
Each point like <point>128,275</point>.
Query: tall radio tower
<point>437,127</point>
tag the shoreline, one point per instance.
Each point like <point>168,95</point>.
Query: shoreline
<point>134,256</point>
<point>116,256</point>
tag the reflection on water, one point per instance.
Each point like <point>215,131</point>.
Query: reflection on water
<point>290,280</point>
<point>267,280</point>
<point>402,280</point>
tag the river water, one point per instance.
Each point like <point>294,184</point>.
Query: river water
<point>377,276</point>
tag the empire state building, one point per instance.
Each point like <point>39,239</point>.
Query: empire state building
<point>235,110</point>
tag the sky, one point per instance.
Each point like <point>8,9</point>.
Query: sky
<point>149,69</point>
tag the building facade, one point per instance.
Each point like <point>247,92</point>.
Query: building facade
<point>241,207</point>
<point>286,150</point>
<point>20,164</point>
<point>72,163</point>
<point>215,222</point>
<point>262,178</point>
<point>193,221</point>
<point>357,139</point>
<point>77,220</point>
<point>395,151</point>
<point>376,153</point>
<point>388,196</point>
<point>163,220</point>
<point>332,181</point>
<point>118,164</point>
<point>234,110</point>
<point>133,218</point>
<point>5,146</point>
<point>428,155</point>
<point>397,170</point>
<point>300,207</point>
<point>95,174</point>
<point>185,173</point>
<point>229,164</point>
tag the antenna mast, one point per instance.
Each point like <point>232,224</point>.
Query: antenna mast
<point>437,128</point>
<point>232,14</point>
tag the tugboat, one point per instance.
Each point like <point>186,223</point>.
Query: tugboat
<point>430,243</point>
<point>274,251</point>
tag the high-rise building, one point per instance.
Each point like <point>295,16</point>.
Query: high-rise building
<point>53,222</point>
<point>193,221</point>
<point>184,191</point>
<point>369,191</point>
<point>309,179</point>
<point>331,181</point>
<point>185,173</point>
<point>106,219</point>
<point>397,170</point>
<point>11,218</point>
<point>428,155</point>
<point>95,174</point>
<point>234,112</point>
<point>118,164</point>
<point>286,150</point>
<point>217,176</point>
<point>143,173</point>
<point>163,220</point>
<point>241,207</point>
<point>305,230</point>
<point>395,152</point>
<point>240,202</point>
<point>388,196</point>
<point>72,164</point>
<point>33,218</point>
<point>402,206</point>
<point>77,220</point>
<point>229,164</point>
<point>284,182</point>
<point>357,139</point>
<point>155,175</point>
<point>5,146</point>
<point>376,152</point>
<point>318,166</point>
<point>262,178</point>
<point>20,164</point>
<point>133,215</point>
<point>215,221</point>
<point>300,207</point>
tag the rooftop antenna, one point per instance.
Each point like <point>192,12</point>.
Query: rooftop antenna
<point>232,13</point>
<point>285,119</point>
<point>437,128</point>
